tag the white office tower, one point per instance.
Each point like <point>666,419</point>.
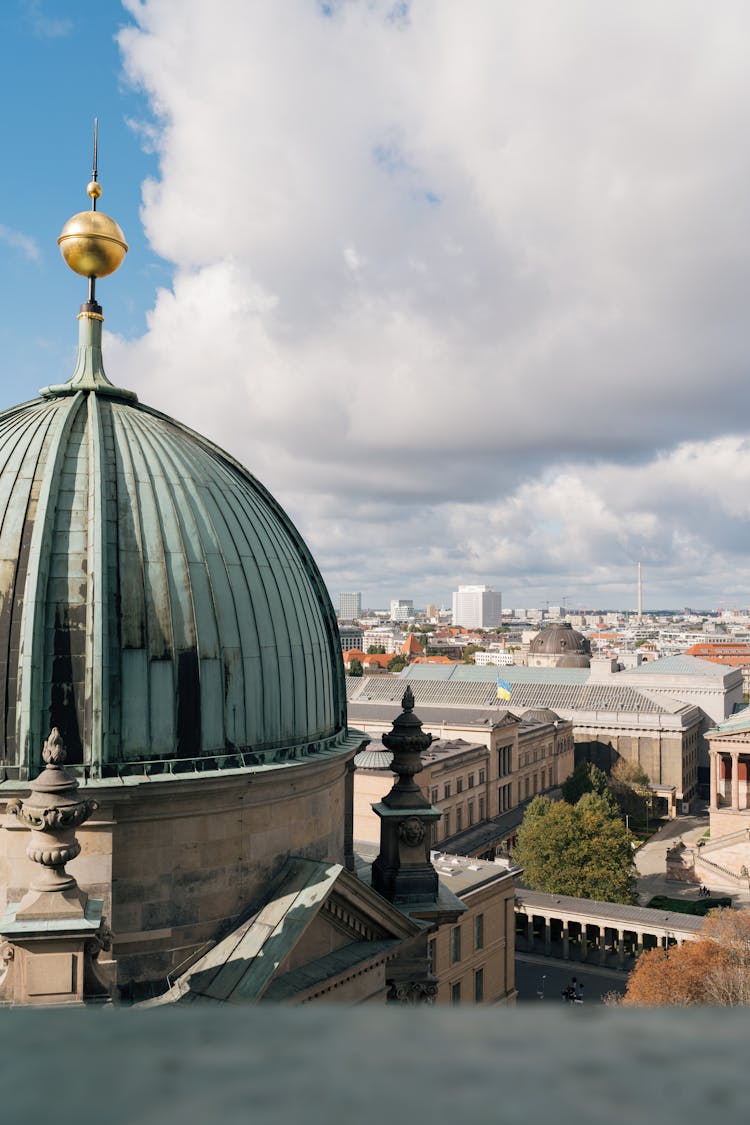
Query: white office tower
<point>401,610</point>
<point>350,607</point>
<point>477,607</point>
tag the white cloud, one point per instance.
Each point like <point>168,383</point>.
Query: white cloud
<point>43,25</point>
<point>443,275</point>
<point>17,240</point>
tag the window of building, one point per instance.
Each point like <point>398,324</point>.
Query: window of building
<point>471,813</point>
<point>528,786</point>
<point>481,777</point>
<point>431,950</point>
<point>479,986</point>
<point>456,944</point>
<point>459,818</point>
<point>459,785</point>
<point>481,808</point>
<point>479,931</point>
<point>447,821</point>
<point>470,782</point>
<point>456,993</point>
<point>447,789</point>
<point>434,795</point>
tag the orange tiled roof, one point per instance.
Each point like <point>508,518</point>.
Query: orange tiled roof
<point>411,646</point>
<point>734,655</point>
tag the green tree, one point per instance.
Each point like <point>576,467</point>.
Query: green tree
<point>376,650</point>
<point>469,651</point>
<point>397,664</point>
<point>355,667</point>
<point>581,850</point>
<point>630,787</point>
<point>585,778</point>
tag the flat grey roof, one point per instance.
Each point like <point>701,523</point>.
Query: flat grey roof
<point>635,917</point>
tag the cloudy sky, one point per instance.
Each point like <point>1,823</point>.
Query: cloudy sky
<point>465,285</point>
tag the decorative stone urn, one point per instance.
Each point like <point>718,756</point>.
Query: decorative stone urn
<point>53,812</point>
<point>53,936</point>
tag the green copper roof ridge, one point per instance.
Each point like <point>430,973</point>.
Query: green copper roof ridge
<point>89,373</point>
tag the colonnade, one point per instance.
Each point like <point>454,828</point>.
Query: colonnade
<point>718,794</point>
<point>596,932</point>
<point>588,941</point>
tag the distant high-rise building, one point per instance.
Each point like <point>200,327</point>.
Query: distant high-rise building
<point>350,606</point>
<point>401,609</point>
<point>477,607</point>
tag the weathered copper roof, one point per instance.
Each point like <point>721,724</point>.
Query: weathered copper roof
<point>155,600</point>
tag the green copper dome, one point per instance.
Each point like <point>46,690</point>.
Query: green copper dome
<point>156,603</point>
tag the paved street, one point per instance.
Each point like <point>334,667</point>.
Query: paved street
<point>530,969</point>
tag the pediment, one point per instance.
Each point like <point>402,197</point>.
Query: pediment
<point>318,926</point>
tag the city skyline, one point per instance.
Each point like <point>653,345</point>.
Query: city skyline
<point>466,294</point>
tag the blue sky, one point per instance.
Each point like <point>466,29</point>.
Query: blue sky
<point>60,67</point>
<point>465,285</point>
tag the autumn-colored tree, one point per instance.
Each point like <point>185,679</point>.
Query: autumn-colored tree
<point>715,969</point>
<point>579,850</point>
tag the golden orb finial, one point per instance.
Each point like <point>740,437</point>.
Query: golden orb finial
<point>91,243</point>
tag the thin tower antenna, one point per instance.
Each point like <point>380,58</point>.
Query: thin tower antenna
<point>640,593</point>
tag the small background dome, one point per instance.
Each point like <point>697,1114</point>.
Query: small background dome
<point>539,715</point>
<point>560,645</point>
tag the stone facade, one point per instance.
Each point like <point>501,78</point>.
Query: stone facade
<point>668,751</point>
<point>474,961</point>
<point>474,772</point>
<point>175,860</point>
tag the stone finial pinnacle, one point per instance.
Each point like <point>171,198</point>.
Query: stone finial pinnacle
<point>53,752</point>
<point>407,701</point>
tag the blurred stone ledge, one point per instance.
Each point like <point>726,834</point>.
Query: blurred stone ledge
<point>269,1065</point>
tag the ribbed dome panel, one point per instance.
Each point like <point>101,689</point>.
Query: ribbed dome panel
<point>155,601</point>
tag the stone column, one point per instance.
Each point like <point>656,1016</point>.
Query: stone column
<point>547,936</point>
<point>713,775</point>
<point>735,781</point>
<point>584,942</point>
<point>566,940</point>
<point>621,949</point>
<point>530,931</point>
<point>638,944</point>
<point>602,945</point>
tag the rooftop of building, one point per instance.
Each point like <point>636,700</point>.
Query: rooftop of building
<point>679,665</point>
<point>460,874</point>
<point>735,724</point>
<point>436,697</point>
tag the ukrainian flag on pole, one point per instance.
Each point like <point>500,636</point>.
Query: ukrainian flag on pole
<point>503,689</point>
